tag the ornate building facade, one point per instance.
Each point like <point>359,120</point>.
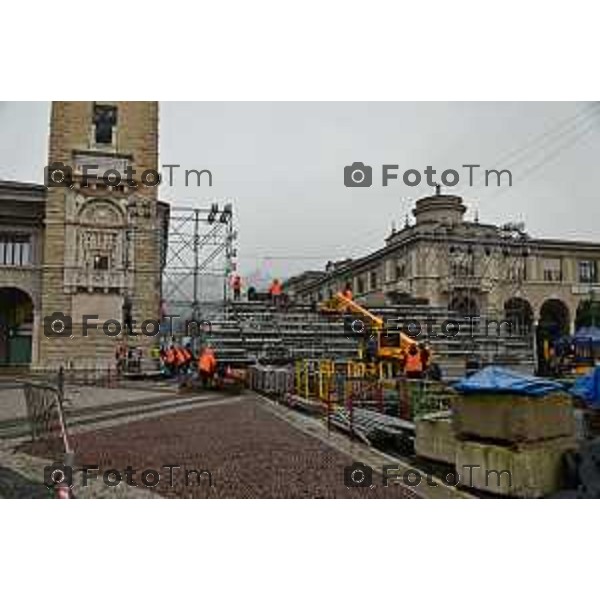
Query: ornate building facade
<point>93,239</point>
<point>546,285</point>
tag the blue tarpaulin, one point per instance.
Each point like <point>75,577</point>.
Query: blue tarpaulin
<point>498,380</point>
<point>587,335</point>
<point>587,387</point>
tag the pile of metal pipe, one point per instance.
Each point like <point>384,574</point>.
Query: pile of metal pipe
<point>277,381</point>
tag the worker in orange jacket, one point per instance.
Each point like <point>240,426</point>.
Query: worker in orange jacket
<point>188,357</point>
<point>179,359</point>
<point>275,290</point>
<point>413,366</point>
<point>170,359</point>
<point>348,292</point>
<point>207,366</point>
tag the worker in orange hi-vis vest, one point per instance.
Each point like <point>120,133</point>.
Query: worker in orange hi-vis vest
<point>348,292</point>
<point>188,356</point>
<point>413,366</point>
<point>207,366</point>
<point>170,359</point>
<point>275,290</point>
<point>179,359</point>
<point>236,285</point>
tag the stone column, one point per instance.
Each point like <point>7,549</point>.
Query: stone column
<point>36,332</point>
<point>535,323</point>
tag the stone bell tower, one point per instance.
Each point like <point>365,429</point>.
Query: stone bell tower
<point>102,246</point>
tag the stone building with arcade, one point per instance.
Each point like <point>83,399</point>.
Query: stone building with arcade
<point>83,245</point>
<point>548,286</point>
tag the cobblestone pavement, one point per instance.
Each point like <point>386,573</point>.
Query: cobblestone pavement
<point>249,451</point>
<point>252,449</point>
<point>22,476</point>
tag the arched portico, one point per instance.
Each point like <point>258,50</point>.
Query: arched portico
<point>519,312</point>
<point>554,322</point>
<point>16,326</point>
<point>464,306</point>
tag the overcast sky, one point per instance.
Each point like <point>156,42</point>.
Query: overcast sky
<point>284,163</point>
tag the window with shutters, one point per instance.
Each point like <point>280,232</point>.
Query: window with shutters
<point>15,250</point>
<point>360,285</point>
<point>552,269</point>
<point>373,280</point>
<point>400,270</point>
<point>588,272</point>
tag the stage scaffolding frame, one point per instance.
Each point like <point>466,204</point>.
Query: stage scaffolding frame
<point>200,257</point>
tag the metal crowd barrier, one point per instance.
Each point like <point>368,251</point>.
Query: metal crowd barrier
<point>100,377</point>
<point>44,403</point>
<point>41,401</point>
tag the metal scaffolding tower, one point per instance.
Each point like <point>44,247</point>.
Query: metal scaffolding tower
<point>200,258</point>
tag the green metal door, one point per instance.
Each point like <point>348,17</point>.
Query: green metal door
<point>19,350</point>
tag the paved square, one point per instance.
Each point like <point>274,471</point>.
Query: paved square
<point>249,451</point>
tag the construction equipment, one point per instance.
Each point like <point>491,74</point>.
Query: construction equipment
<point>389,345</point>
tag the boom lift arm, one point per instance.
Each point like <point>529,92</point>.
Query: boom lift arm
<point>340,304</point>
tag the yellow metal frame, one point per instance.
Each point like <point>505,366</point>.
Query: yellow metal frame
<point>317,378</point>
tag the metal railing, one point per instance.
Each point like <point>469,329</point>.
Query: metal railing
<point>44,403</point>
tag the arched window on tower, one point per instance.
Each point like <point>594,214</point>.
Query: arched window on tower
<point>105,121</point>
